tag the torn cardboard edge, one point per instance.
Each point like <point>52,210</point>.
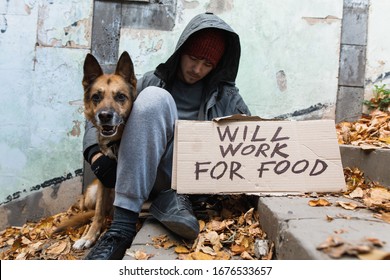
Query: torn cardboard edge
<point>242,154</point>
<point>241,117</point>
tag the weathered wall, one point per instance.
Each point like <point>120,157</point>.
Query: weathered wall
<point>378,51</point>
<point>43,45</point>
<point>289,68</point>
<point>290,52</point>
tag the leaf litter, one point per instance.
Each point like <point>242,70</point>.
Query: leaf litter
<point>370,132</point>
<point>229,229</point>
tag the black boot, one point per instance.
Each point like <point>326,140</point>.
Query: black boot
<point>175,212</point>
<point>113,244</point>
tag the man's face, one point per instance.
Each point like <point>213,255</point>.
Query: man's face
<point>193,69</point>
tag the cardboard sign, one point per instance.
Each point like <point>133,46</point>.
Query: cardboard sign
<point>250,155</point>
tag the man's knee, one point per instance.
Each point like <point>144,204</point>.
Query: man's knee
<point>153,101</point>
<point>155,96</point>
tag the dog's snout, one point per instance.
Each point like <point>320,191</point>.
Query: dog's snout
<point>105,116</point>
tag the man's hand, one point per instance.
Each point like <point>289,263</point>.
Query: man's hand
<point>104,169</point>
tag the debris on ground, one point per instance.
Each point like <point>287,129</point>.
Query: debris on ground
<point>369,132</point>
<point>230,228</point>
<point>364,194</point>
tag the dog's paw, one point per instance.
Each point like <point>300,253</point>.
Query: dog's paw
<point>82,243</point>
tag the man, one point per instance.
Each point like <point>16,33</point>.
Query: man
<point>196,83</point>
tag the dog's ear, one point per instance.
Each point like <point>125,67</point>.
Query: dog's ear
<point>92,70</point>
<point>125,68</point>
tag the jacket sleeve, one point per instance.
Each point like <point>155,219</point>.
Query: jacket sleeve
<point>148,79</point>
<point>230,102</point>
<point>90,142</point>
<point>240,105</point>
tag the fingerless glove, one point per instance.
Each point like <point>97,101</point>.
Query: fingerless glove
<point>104,169</point>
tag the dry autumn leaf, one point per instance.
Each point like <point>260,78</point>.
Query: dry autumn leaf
<point>141,255</point>
<point>347,205</point>
<point>336,247</point>
<point>181,250</point>
<point>57,248</point>
<point>357,193</point>
<point>383,216</point>
<point>202,225</point>
<point>319,202</point>
<point>331,241</point>
<point>246,256</point>
<point>200,256</point>
<point>208,250</point>
<point>375,254</point>
<point>369,132</point>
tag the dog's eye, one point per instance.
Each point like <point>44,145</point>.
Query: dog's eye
<point>96,98</point>
<point>120,97</point>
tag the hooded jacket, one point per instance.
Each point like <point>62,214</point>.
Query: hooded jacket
<point>221,96</point>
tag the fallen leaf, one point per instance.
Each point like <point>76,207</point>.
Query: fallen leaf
<point>141,255</point>
<point>222,255</point>
<point>181,250</point>
<point>237,249</point>
<point>248,216</point>
<point>25,241</point>
<point>375,255</point>
<point>21,256</point>
<point>245,256</point>
<point>383,216</point>
<point>329,218</point>
<point>57,248</point>
<point>379,194</point>
<point>375,241</point>
<point>319,202</point>
<point>347,205</point>
<point>357,193</point>
<point>185,257</point>
<point>331,241</point>
<point>213,238</point>
<point>202,225</point>
<point>201,256</point>
<point>208,250</point>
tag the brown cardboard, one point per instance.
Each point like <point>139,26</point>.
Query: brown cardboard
<point>251,155</point>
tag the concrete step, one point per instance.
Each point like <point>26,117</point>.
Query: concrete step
<point>296,229</point>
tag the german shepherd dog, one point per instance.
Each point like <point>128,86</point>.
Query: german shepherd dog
<point>108,100</point>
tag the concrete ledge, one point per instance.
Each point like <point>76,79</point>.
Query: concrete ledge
<point>374,163</point>
<point>297,229</point>
<point>43,203</point>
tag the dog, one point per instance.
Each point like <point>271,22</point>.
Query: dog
<point>108,100</point>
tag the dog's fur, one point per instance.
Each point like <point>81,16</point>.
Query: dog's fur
<point>108,100</point>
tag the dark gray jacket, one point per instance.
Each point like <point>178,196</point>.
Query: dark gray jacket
<point>222,97</point>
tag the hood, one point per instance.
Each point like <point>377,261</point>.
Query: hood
<point>227,68</point>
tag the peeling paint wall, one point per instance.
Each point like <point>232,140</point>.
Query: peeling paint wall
<point>43,45</point>
<point>290,52</point>
<point>289,68</point>
<point>378,51</point>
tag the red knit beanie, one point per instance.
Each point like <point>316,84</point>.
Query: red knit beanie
<point>206,44</point>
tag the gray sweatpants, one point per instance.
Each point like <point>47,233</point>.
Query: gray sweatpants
<point>146,149</point>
